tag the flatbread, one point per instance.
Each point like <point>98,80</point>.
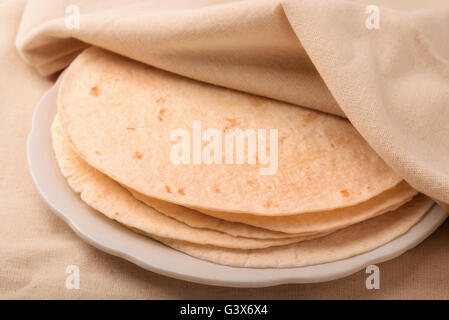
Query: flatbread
<point>108,197</point>
<point>119,116</point>
<point>345,243</point>
<point>300,224</point>
<point>197,219</point>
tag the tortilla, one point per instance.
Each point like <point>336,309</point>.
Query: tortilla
<point>345,243</point>
<point>196,219</point>
<point>108,197</point>
<point>120,114</point>
<point>300,224</point>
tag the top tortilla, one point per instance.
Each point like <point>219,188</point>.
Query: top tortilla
<point>118,115</point>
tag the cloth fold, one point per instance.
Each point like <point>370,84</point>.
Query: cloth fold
<point>391,82</point>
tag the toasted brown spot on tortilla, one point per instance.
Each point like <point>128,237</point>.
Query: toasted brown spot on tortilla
<point>345,193</point>
<point>282,138</point>
<point>167,188</point>
<point>99,196</point>
<point>333,145</point>
<point>116,214</point>
<point>270,204</point>
<point>161,114</point>
<point>231,123</point>
<point>250,183</point>
<point>310,117</point>
<point>181,191</point>
<point>216,190</point>
<point>97,152</point>
<point>138,155</point>
<point>160,100</point>
<point>94,91</point>
<point>130,129</point>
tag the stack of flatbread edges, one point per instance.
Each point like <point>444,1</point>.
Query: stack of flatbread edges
<point>222,175</point>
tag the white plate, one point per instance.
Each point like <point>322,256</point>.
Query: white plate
<point>110,236</point>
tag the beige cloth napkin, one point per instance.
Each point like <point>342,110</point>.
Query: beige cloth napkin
<point>255,48</point>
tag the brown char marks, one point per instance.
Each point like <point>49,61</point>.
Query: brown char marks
<point>180,191</point>
<point>271,204</point>
<point>250,183</point>
<point>230,123</point>
<point>94,91</point>
<point>160,100</point>
<point>310,117</point>
<point>160,115</point>
<point>138,155</point>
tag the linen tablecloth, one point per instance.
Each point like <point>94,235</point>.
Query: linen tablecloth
<point>36,247</point>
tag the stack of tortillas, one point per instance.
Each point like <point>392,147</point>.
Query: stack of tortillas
<point>329,196</point>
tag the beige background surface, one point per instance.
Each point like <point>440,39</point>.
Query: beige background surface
<point>36,247</point>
